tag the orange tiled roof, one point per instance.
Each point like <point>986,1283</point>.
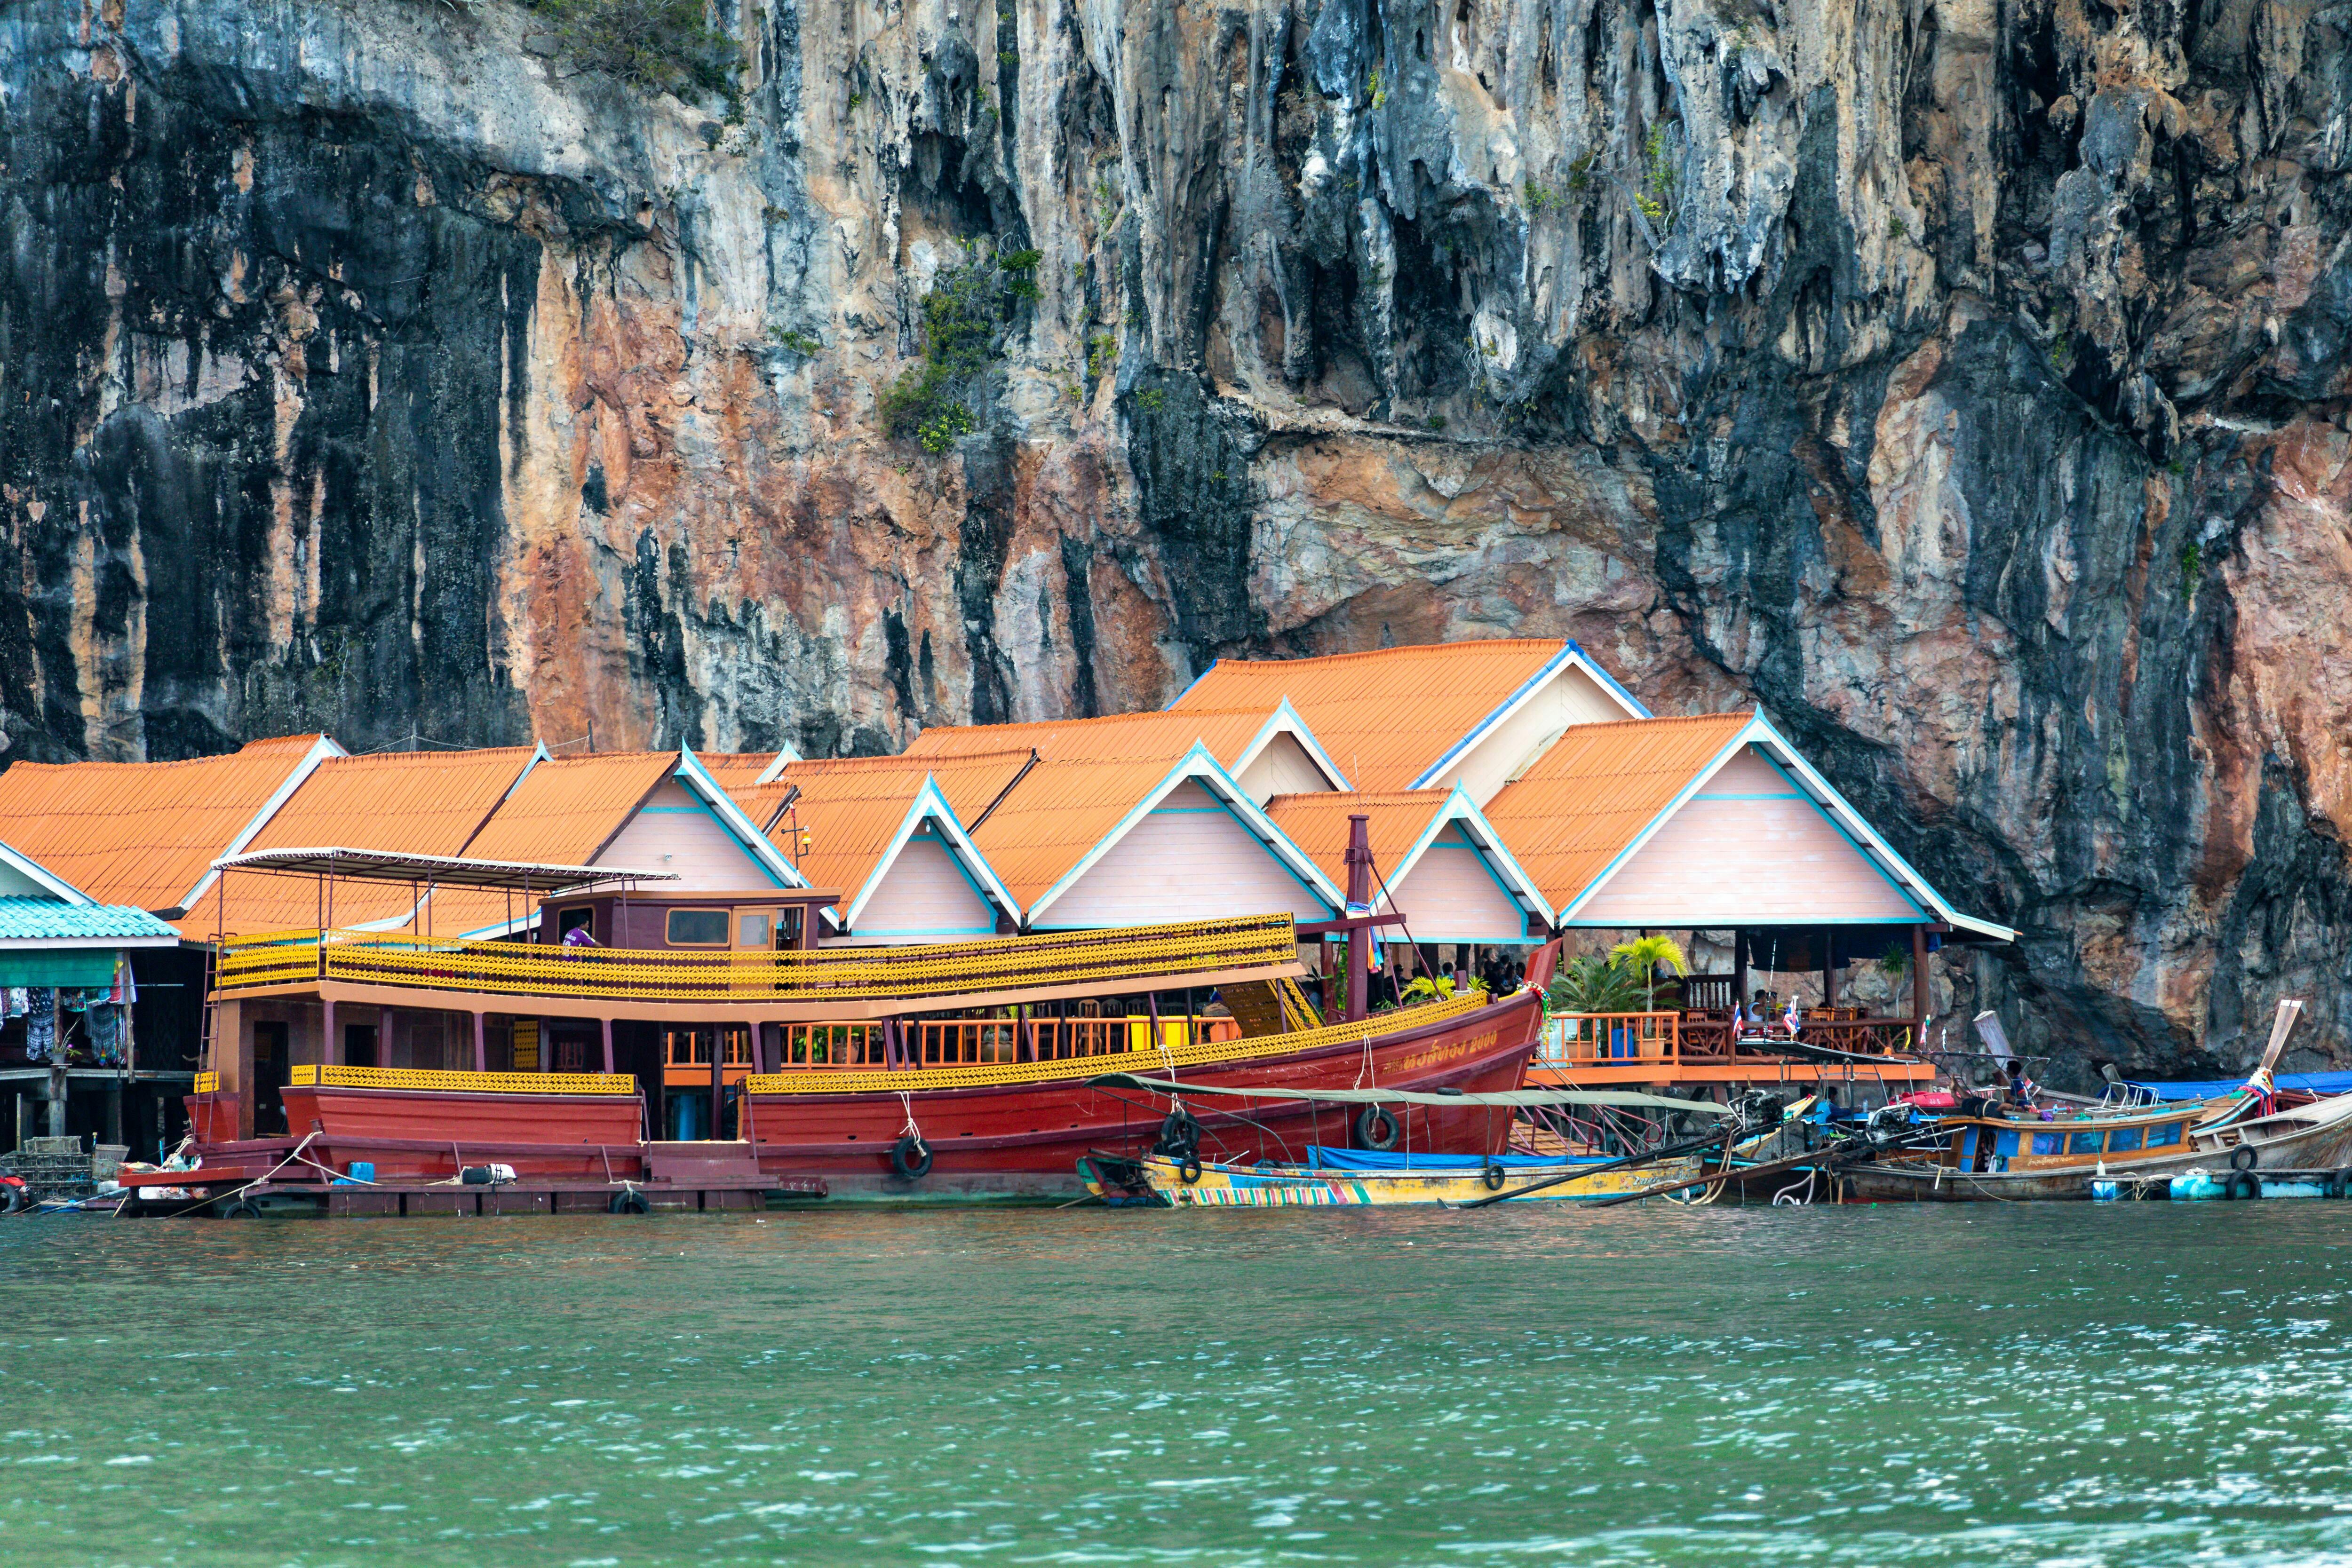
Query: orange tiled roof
<point>419,802</point>
<point>734,770</point>
<point>142,834</point>
<point>568,807</point>
<point>1164,737</point>
<point>281,746</point>
<point>1319,824</point>
<point>849,807</point>
<point>1575,811</point>
<point>1384,715</point>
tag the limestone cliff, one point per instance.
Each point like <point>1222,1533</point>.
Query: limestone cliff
<point>1964,383</point>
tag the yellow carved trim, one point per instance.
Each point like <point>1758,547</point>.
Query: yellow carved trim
<point>660,975</point>
<point>836,1081</point>
<point>205,1084</point>
<point>465,1082</point>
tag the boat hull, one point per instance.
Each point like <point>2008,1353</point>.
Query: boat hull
<point>2311,1137</point>
<point>429,1134</point>
<point>1295,1186</point>
<point>1026,1140</point>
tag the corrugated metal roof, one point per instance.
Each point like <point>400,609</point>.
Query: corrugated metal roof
<point>568,807</point>
<point>850,808</point>
<point>1583,802</point>
<point>1386,714</point>
<point>281,746</point>
<point>53,920</point>
<point>141,833</point>
<point>411,802</point>
<point>1319,824</point>
<point>1163,736</point>
<point>735,769</point>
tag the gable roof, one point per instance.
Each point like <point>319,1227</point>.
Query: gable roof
<point>146,833</point>
<point>857,812</point>
<point>1071,810</point>
<point>50,884</point>
<point>413,802</point>
<point>1393,718</point>
<point>59,923</point>
<point>566,808</point>
<point>1403,824</point>
<point>1603,789</point>
<point>1234,735</point>
<point>741,769</point>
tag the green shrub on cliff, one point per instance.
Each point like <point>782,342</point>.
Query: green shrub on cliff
<point>961,315</point>
<point>661,45</point>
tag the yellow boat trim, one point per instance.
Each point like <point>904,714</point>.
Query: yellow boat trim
<point>838,974</point>
<point>983,1075</point>
<point>333,1077</point>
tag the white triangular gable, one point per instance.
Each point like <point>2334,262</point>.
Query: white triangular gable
<point>1284,758</point>
<point>1570,690</point>
<point>931,884</point>
<point>1196,848</point>
<point>1459,882</point>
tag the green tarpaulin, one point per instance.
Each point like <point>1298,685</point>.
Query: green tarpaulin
<point>76,967</point>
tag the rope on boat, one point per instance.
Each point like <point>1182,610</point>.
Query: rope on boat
<point>907,1103</point>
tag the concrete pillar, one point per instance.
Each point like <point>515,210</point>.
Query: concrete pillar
<point>56,1117</point>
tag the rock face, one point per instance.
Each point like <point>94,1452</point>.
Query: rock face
<point>1965,384</point>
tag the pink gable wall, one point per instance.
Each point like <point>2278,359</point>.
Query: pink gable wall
<point>1182,863</point>
<point>1748,849</point>
<point>924,896</point>
<point>1450,897</point>
<point>702,853</point>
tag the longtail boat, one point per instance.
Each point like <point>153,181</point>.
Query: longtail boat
<point>1332,1178</point>
<point>956,1071</point>
<point>1985,1158</point>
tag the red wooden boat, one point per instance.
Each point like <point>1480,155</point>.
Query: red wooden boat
<point>1021,1129</point>
<point>957,1070</point>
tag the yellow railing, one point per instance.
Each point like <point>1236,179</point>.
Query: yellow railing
<point>1201,1053</point>
<point>429,1079</point>
<point>839,974</point>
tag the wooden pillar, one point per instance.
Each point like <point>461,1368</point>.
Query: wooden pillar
<point>329,1050</point>
<point>58,1083</point>
<point>718,1078</point>
<point>233,1060</point>
<point>384,1037</point>
<point>1740,969</point>
<point>1919,988</point>
<point>481,1043</point>
<point>608,1042</point>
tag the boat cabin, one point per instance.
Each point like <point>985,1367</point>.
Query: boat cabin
<point>700,920</point>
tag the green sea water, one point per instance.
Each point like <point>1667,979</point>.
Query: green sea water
<point>2058,1385</point>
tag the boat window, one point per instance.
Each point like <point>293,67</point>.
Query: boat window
<point>697,928</point>
<point>2168,1133</point>
<point>567,921</point>
<point>2085,1143</point>
<point>788,926</point>
<point>2047,1143</point>
<point>2121,1140</point>
<point>833,1045</point>
<point>2005,1144</point>
<point>751,929</point>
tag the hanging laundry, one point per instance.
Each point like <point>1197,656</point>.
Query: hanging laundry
<point>20,998</point>
<point>106,1034</point>
<point>41,1024</point>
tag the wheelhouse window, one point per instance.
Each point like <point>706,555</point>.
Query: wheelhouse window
<point>2085,1143</point>
<point>2158,1137</point>
<point>567,921</point>
<point>751,929</point>
<point>2123,1140</point>
<point>696,928</point>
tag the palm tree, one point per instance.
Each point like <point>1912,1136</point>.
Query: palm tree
<point>1646,955</point>
<point>1590,983</point>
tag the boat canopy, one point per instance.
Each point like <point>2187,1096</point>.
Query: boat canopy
<point>450,870</point>
<point>1621,1098</point>
<point>2214,1088</point>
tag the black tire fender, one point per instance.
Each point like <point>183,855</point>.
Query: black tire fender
<point>1189,1171</point>
<point>1492,1177</point>
<point>241,1208</point>
<point>626,1202</point>
<point>2245,1157</point>
<point>2242,1186</point>
<point>1376,1129</point>
<point>910,1157</point>
<point>2339,1185</point>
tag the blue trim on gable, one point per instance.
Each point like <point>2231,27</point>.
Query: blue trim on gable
<point>1195,681</point>
<point>1611,681</point>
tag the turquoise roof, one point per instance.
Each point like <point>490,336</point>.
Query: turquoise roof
<point>53,920</point>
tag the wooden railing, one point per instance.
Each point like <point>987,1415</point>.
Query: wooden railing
<point>946,1042</point>
<point>1134,957</point>
<point>1672,1040</point>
